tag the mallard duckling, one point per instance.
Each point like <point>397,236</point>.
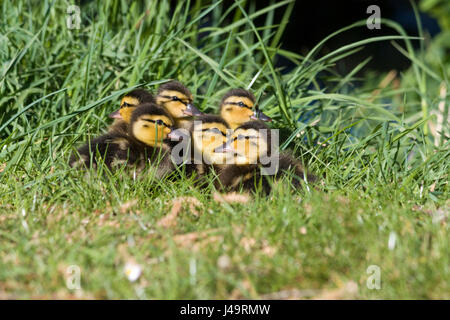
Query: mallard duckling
<point>207,132</point>
<point>178,101</point>
<point>238,106</point>
<point>145,141</point>
<point>251,149</point>
<point>128,103</point>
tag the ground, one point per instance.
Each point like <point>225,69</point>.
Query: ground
<point>184,244</point>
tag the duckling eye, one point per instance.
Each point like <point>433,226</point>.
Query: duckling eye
<point>175,98</point>
<point>125,105</point>
<point>159,122</point>
<point>241,104</point>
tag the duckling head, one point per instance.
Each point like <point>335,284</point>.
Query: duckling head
<point>208,133</point>
<point>150,124</point>
<point>248,143</point>
<point>238,106</point>
<point>129,102</point>
<point>177,99</point>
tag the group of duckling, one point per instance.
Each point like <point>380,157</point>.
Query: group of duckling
<point>147,129</point>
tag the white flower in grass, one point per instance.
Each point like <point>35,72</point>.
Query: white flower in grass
<point>132,271</point>
<point>224,262</point>
<point>25,225</point>
<point>392,240</point>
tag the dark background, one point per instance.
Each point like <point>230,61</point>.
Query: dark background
<point>312,21</point>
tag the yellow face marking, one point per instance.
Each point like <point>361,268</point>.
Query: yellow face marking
<point>234,114</point>
<point>132,101</point>
<point>207,137</point>
<point>175,108</point>
<point>249,146</point>
<point>150,131</point>
<point>127,105</point>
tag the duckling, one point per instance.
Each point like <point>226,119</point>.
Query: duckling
<point>251,148</point>
<point>177,100</point>
<point>144,143</point>
<point>207,132</point>
<point>238,106</point>
<point>128,103</point>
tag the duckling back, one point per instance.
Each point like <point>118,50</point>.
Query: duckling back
<point>288,163</point>
<point>113,149</point>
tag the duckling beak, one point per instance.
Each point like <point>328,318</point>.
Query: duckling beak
<point>259,115</point>
<point>176,135</point>
<point>225,148</point>
<point>191,110</point>
<point>115,115</point>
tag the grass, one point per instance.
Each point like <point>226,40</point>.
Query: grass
<point>383,200</point>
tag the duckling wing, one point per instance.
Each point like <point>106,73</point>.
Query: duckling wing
<point>288,162</point>
<point>111,149</point>
<point>119,128</point>
<point>158,158</point>
<point>246,177</point>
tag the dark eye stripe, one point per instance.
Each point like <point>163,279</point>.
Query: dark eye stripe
<point>159,122</point>
<point>240,104</point>
<point>240,137</point>
<point>215,130</point>
<point>175,98</point>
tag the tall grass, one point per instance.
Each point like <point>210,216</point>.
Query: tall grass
<point>58,84</point>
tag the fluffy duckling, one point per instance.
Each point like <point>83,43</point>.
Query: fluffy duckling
<point>144,143</point>
<point>238,106</point>
<point>178,101</point>
<point>128,103</point>
<point>207,132</point>
<point>251,149</point>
